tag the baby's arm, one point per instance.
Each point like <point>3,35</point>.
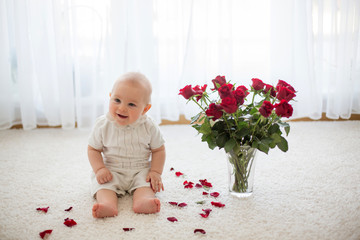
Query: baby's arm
<point>157,166</point>
<point>103,175</point>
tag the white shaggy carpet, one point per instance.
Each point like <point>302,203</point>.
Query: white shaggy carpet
<point>310,192</point>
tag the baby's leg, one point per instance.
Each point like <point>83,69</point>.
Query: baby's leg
<point>106,205</point>
<point>144,201</point>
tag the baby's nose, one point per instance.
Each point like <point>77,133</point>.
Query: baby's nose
<point>122,107</point>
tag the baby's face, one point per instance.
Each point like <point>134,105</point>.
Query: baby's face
<point>127,102</point>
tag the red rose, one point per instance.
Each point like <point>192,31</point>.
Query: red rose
<point>239,95</point>
<point>266,109</point>
<point>244,89</point>
<point>225,91</point>
<point>214,111</point>
<point>282,83</point>
<point>187,92</point>
<point>268,88</point>
<point>199,91</point>
<point>229,104</point>
<point>285,93</point>
<point>283,109</point>
<point>257,84</point>
<point>219,80</point>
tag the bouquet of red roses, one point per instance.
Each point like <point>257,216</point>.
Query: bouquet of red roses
<point>230,120</point>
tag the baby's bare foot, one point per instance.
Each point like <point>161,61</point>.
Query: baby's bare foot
<point>147,205</point>
<point>100,210</point>
<point>157,205</point>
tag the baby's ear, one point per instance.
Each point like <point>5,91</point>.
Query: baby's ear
<point>146,108</point>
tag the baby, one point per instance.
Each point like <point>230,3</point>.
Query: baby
<point>120,147</point>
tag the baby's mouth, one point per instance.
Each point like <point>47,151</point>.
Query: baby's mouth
<point>122,116</point>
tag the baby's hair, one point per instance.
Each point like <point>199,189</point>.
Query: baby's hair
<point>138,79</point>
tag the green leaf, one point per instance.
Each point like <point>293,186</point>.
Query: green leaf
<point>229,145</point>
<point>219,126</point>
<point>276,137</point>
<point>221,140</point>
<point>286,126</point>
<point>263,147</point>
<point>272,144</point>
<point>211,145</point>
<point>274,128</point>
<point>210,139</point>
<point>243,132</point>
<point>287,130</point>
<point>196,126</point>
<point>242,124</point>
<point>201,119</point>
<point>201,202</point>
<point>283,144</point>
<point>205,128</point>
<point>267,140</point>
<point>253,111</point>
<point>195,118</point>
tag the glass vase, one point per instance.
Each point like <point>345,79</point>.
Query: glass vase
<point>241,168</point>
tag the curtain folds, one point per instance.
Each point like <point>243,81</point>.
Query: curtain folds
<point>60,58</point>
<point>315,44</point>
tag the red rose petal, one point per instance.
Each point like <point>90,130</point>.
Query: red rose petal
<point>69,209</point>
<point>188,184</point>
<point>172,169</point>
<point>172,219</point>
<point>206,213</point>
<point>69,222</point>
<point>217,204</point>
<point>178,204</point>
<point>200,231</point>
<point>182,204</point>
<point>45,210</point>
<point>205,193</point>
<point>128,229</point>
<point>214,194</point>
<point>198,185</point>
<point>205,183</point>
<point>178,174</point>
<point>42,234</point>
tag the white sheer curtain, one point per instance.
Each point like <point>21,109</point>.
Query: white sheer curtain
<point>315,44</point>
<point>52,63</point>
<point>60,57</point>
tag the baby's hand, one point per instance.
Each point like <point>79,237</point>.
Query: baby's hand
<point>155,180</point>
<point>103,175</point>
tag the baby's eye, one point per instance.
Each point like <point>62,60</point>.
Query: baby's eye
<point>117,100</point>
<point>132,105</point>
